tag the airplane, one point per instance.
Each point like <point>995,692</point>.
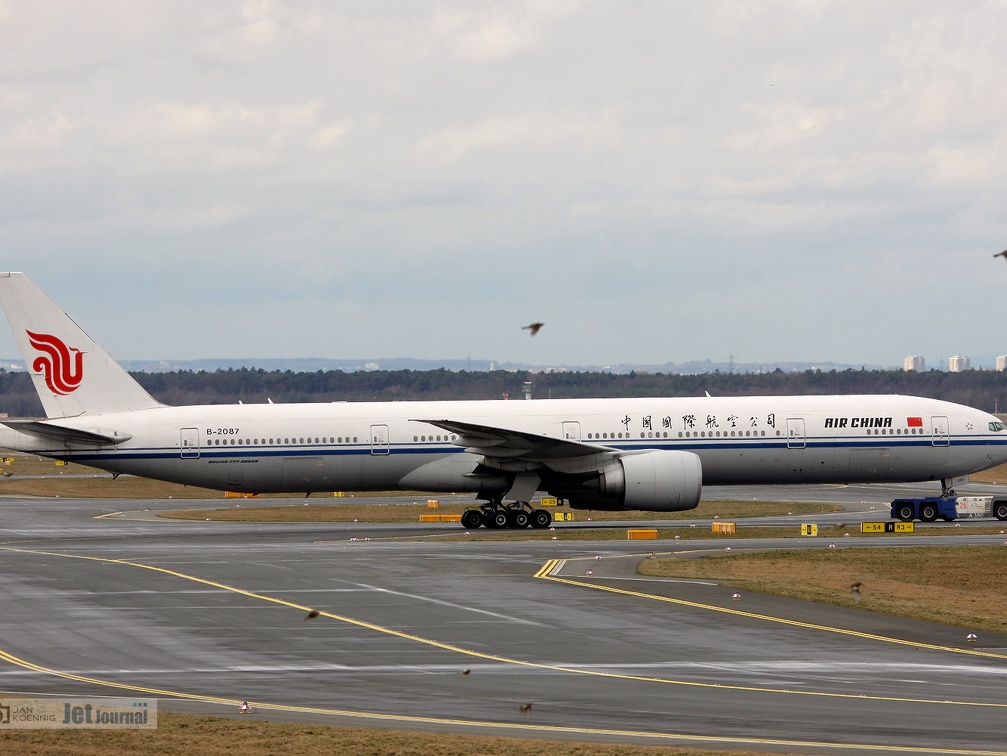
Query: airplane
<point>650,454</point>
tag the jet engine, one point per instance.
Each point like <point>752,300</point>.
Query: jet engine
<point>656,480</point>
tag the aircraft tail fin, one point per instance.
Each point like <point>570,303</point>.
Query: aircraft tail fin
<point>72,375</point>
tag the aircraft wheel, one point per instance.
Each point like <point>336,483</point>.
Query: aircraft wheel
<point>518,519</point>
<point>472,519</point>
<point>1000,510</point>
<point>541,519</point>
<point>496,520</point>
<point>928,513</point>
<point>905,512</point>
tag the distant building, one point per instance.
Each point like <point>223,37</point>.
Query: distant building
<point>914,363</point>
<point>1002,362</point>
<point>959,364</point>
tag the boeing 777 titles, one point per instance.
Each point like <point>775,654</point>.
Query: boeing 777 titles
<point>637,454</point>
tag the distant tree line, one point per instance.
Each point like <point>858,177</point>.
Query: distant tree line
<point>983,389</point>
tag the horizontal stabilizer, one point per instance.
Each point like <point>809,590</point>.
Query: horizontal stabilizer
<point>51,432</point>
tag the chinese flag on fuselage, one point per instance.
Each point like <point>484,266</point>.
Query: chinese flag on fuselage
<point>915,422</point>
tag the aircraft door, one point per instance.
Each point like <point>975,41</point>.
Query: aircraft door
<point>188,443</point>
<point>571,430</point>
<point>795,433</point>
<point>379,440</point>
<point>941,434</point>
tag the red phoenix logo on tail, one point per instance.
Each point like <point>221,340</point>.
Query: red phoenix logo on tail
<point>62,370</point>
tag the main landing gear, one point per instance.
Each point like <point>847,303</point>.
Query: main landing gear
<point>946,489</point>
<point>497,515</point>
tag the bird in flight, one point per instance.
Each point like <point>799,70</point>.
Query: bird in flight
<point>1001,254</point>
<point>533,327</point>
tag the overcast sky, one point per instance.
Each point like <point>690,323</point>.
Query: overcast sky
<point>656,181</point>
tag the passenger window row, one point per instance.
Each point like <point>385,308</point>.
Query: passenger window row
<point>281,441</point>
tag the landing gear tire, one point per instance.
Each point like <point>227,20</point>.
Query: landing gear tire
<point>496,520</point>
<point>1000,510</point>
<point>518,519</point>
<point>928,513</point>
<point>905,512</point>
<point>541,519</point>
<point>472,519</point>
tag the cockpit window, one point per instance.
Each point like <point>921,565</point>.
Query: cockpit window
<point>996,427</point>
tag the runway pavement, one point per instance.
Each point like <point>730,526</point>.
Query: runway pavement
<point>421,634</point>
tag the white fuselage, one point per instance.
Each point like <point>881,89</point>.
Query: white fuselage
<point>380,445</point>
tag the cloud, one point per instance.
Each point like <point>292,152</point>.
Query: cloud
<point>531,131</point>
<point>484,35</point>
<point>254,32</point>
<point>331,135</point>
<point>663,175</point>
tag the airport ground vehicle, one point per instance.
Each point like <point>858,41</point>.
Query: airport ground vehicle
<point>932,508</point>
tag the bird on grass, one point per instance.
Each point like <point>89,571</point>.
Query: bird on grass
<point>855,591</point>
<point>532,327</point>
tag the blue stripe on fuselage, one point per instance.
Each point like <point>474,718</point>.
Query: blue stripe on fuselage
<point>691,445</point>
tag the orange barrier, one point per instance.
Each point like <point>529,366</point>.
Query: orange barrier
<point>642,534</point>
<point>441,518</point>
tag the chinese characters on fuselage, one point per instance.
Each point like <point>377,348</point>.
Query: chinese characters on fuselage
<point>689,422</point>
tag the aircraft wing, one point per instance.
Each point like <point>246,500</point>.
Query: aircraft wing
<point>52,432</point>
<point>505,443</point>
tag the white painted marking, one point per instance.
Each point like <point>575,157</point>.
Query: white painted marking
<point>450,604</point>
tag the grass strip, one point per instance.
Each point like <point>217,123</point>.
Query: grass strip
<point>953,585</point>
<point>179,734</point>
<point>250,511</point>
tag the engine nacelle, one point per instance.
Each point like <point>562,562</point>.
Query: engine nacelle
<point>658,480</point>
